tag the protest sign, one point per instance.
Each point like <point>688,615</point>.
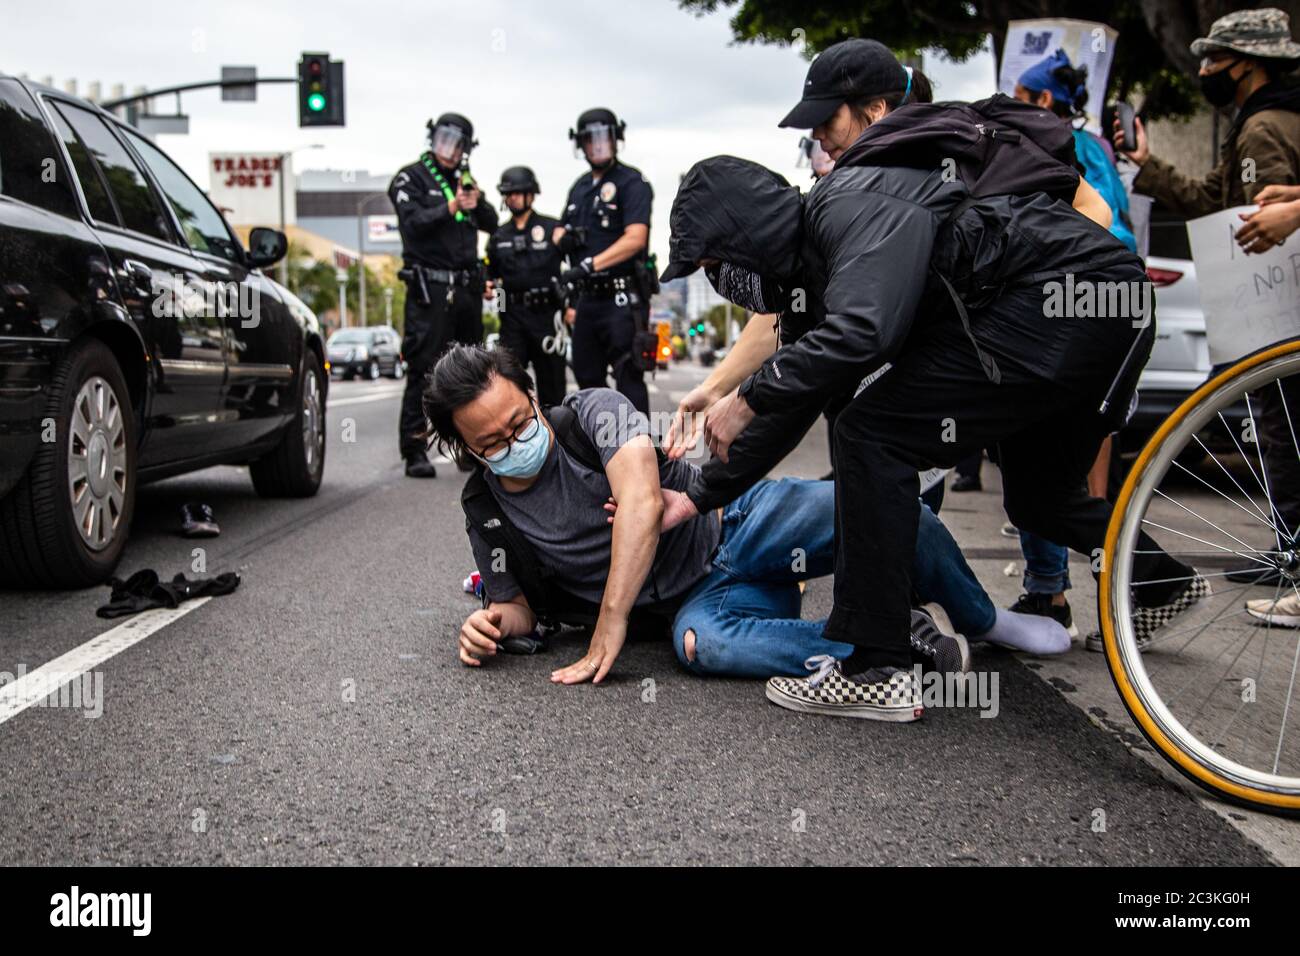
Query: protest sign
<point>1250,301</point>
<point>1084,42</point>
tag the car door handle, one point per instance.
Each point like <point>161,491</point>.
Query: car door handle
<point>141,275</point>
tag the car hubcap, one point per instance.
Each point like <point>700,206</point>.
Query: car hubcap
<point>313,432</point>
<point>97,463</point>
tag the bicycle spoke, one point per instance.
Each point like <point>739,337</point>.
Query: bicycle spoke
<point>1260,518</point>
<point>1259,454</point>
<point>1246,458</point>
<point>1203,541</point>
<point>1189,577</point>
<point>1203,518</point>
<point>1230,477</point>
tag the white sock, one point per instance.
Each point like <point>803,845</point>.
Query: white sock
<point>1027,632</point>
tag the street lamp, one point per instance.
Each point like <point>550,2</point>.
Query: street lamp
<point>279,162</point>
<point>361,252</point>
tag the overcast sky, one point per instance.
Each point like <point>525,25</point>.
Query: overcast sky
<point>521,71</point>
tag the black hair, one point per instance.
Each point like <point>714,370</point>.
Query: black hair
<point>922,92</point>
<point>462,374</point>
<point>1072,78</point>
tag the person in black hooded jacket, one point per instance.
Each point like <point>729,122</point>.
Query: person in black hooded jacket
<point>868,258</point>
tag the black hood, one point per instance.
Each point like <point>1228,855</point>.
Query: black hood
<point>736,211</point>
<point>1283,94</point>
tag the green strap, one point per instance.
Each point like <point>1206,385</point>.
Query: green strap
<point>447,192</point>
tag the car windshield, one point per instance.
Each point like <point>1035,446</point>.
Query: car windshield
<point>349,338</point>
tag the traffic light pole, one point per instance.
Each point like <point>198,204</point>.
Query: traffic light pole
<point>185,87</point>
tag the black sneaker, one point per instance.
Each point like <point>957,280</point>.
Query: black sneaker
<point>884,693</point>
<point>1041,604</point>
<point>197,521</point>
<point>419,466</point>
<point>936,643</point>
<point>966,483</point>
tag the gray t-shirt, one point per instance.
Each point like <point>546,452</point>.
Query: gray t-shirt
<point>563,517</point>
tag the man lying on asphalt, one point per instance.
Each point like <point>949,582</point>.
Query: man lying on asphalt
<point>726,586</point>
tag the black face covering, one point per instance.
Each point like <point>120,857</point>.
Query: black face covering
<point>745,288</point>
<point>1219,87</point>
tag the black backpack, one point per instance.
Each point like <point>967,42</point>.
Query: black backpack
<point>997,147</point>
<point>553,605</point>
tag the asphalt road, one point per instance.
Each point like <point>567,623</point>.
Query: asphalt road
<point>319,715</point>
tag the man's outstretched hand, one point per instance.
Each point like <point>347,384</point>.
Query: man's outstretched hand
<point>606,643</point>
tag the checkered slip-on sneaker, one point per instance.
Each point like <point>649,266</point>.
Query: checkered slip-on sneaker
<point>897,698</point>
<point>1148,620</point>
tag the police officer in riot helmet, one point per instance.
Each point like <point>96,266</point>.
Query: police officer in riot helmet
<point>439,212</point>
<point>523,264</point>
<point>606,233</point>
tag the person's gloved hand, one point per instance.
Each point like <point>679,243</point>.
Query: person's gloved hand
<point>579,272</point>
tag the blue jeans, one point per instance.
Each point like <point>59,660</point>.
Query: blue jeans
<point>745,613</point>
<point>1047,565</point>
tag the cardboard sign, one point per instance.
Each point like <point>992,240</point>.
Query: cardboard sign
<point>1250,301</point>
<point>1084,42</point>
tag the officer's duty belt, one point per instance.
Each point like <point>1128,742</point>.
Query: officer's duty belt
<point>465,277</point>
<point>542,298</point>
<point>622,289</point>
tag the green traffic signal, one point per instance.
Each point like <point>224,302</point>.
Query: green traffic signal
<point>316,102</point>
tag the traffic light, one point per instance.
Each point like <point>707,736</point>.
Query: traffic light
<point>320,90</point>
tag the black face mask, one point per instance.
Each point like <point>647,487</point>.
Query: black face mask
<point>1219,88</point>
<point>745,288</point>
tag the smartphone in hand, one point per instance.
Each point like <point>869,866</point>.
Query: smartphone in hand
<point>1126,116</point>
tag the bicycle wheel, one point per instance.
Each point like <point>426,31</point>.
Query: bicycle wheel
<point>1214,687</point>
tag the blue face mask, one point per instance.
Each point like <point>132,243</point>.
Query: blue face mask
<point>525,457</point>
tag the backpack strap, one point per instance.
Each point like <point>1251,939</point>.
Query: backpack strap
<point>987,363</point>
<point>575,440</point>
<point>484,514</point>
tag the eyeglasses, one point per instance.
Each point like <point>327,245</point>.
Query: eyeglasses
<point>1216,58</point>
<point>525,432</point>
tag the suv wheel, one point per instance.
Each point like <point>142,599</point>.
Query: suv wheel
<point>399,368</point>
<point>295,467</point>
<point>372,371</point>
<point>66,523</point>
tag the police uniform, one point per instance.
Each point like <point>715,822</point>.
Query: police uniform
<point>524,262</point>
<point>443,277</point>
<point>611,308</point>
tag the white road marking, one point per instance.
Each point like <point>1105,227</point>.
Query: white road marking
<point>652,388</point>
<point>359,399</point>
<point>36,685</point>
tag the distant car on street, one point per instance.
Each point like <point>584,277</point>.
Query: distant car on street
<point>139,339</point>
<point>369,353</point>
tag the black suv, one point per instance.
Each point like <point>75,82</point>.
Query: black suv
<point>367,352</point>
<point>138,340</point>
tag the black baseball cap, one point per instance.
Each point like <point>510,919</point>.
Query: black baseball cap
<point>846,70</point>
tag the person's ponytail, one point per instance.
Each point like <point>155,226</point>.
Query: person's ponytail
<point>1074,79</point>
